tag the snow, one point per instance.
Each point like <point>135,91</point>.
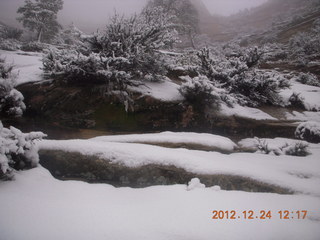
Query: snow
<point>36,206</point>
<point>304,116</point>
<point>26,65</point>
<point>245,112</point>
<point>308,128</point>
<point>194,184</point>
<point>310,94</point>
<point>202,139</point>
<point>167,90</point>
<point>283,171</point>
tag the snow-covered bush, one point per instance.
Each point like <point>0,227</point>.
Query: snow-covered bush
<point>11,100</point>
<point>17,150</point>
<point>305,45</point>
<point>233,69</point>
<point>308,79</point>
<point>12,33</point>
<point>309,131</point>
<point>127,50</point>
<point>33,47</point>
<point>299,149</point>
<point>199,91</point>
<point>296,100</point>
<point>9,45</point>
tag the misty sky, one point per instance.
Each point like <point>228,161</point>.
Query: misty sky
<point>92,14</point>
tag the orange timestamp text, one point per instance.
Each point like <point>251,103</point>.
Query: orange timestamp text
<point>262,214</point>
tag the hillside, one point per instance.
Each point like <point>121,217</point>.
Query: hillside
<point>279,17</point>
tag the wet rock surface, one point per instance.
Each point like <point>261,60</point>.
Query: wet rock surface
<point>74,166</point>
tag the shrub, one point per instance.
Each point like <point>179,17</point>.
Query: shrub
<point>199,91</point>
<point>234,71</point>
<point>9,45</point>
<point>299,149</point>
<point>33,47</point>
<point>308,79</point>
<point>11,100</point>
<point>127,50</point>
<point>296,100</point>
<point>309,131</point>
<point>17,150</point>
<point>11,33</point>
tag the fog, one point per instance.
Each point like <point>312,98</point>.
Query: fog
<point>92,14</point>
<point>229,7</point>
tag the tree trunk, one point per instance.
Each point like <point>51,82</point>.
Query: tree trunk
<point>40,35</point>
<point>191,40</point>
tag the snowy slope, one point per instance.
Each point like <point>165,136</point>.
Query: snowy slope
<point>27,66</point>
<point>310,95</point>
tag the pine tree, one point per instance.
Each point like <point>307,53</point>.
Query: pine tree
<point>41,17</point>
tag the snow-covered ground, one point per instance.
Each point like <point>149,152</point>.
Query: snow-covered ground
<point>165,90</point>
<point>208,141</point>
<point>309,94</point>
<point>36,206</point>
<point>299,174</point>
<point>27,66</point>
<point>245,112</point>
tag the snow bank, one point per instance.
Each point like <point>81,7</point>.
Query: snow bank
<point>304,116</point>
<point>245,112</point>
<point>26,65</point>
<point>283,171</point>
<point>35,207</point>
<point>208,141</point>
<point>310,95</point>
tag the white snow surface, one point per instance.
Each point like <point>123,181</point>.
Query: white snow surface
<point>310,94</point>
<point>299,174</point>
<point>36,206</point>
<point>204,139</point>
<point>245,112</point>
<point>304,116</point>
<point>166,90</point>
<point>27,65</point>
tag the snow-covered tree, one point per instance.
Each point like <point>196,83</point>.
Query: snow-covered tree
<point>41,17</point>
<point>184,15</point>
<point>17,150</point>
<point>70,35</point>
<point>11,100</point>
